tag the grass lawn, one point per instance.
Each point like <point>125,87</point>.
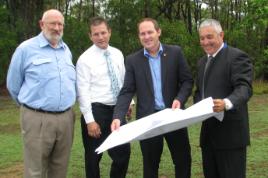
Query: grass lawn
<point>11,156</point>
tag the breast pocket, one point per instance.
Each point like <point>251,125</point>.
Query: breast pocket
<point>43,68</point>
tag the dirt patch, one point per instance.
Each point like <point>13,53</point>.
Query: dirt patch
<point>3,90</point>
<point>6,103</point>
<point>14,171</point>
<point>262,133</point>
<point>9,129</point>
<point>257,102</point>
<point>163,176</point>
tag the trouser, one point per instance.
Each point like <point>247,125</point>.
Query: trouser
<point>224,163</point>
<point>47,140</point>
<point>120,155</point>
<point>179,147</point>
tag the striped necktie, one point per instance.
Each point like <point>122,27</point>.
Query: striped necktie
<point>209,59</point>
<point>114,80</point>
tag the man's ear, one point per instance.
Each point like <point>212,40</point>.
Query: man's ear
<point>159,31</point>
<point>222,34</point>
<point>41,24</point>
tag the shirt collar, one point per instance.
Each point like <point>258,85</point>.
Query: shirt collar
<point>100,49</point>
<point>213,55</point>
<point>147,54</point>
<point>44,42</point>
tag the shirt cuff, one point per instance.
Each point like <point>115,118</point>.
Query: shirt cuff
<point>228,104</point>
<point>132,102</point>
<point>88,117</point>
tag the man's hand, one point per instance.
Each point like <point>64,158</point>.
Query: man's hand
<point>176,104</point>
<point>219,105</point>
<point>93,129</point>
<point>115,124</point>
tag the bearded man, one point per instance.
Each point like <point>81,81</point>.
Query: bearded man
<point>41,79</point>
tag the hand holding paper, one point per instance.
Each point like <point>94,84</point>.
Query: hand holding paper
<point>159,123</point>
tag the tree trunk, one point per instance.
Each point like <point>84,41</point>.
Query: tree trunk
<point>189,18</point>
<point>147,8</point>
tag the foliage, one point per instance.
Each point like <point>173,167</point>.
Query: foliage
<point>255,26</point>
<point>81,41</point>
<point>7,44</point>
<point>123,17</point>
<point>245,24</point>
<point>176,33</point>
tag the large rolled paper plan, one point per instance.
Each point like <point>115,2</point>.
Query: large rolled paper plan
<point>159,123</point>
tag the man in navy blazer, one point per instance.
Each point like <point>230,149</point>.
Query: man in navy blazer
<point>160,77</point>
<point>224,73</point>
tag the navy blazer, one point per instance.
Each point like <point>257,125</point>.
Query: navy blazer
<point>228,76</point>
<point>176,77</point>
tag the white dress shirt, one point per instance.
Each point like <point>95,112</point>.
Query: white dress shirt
<point>93,81</point>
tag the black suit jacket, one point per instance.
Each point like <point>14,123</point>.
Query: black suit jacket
<point>177,82</point>
<point>229,76</point>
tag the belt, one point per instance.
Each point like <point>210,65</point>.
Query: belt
<point>43,111</point>
<point>103,105</point>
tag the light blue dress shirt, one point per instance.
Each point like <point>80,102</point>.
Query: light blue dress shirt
<point>155,66</point>
<point>41,76</point>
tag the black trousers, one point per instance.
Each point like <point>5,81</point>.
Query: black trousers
<point>224,163</point>
<point>179,147</point>
<point>120,155</point>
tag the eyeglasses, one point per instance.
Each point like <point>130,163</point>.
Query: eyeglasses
<point>54,24</point>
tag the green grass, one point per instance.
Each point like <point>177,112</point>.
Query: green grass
<point>11,155</point>
<point>260,87</point>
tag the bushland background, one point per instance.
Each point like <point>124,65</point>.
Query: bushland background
<point>245,23</point>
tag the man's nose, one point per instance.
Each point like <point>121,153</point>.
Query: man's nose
<point>100,36</point>
<point>146,35</point>
<point>57,26</point>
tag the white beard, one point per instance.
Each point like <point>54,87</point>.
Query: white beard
<point>53,38</point>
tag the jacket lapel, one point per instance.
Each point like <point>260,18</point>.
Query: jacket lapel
<point>218,57</point>
<point>201,71</point>
<point>164,67</point>
<point>147,72</point>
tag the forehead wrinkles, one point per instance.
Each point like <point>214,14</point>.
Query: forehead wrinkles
<point>207,32</point>
<point>53,17</point>
<point>146,25</point>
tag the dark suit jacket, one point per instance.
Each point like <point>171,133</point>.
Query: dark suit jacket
<point>177,82</point>
<point>229,76</point>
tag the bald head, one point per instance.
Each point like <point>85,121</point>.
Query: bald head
<point>52,25</point>
<point>51,12</point>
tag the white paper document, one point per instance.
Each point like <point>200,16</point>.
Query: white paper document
<point>159,123</point>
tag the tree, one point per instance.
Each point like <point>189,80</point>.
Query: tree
<point>244,23</point>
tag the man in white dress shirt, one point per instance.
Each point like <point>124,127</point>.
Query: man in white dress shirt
<point>98,84</point>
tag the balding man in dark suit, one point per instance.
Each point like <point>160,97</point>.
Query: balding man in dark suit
<point>160,78</point>
<point>224,73</point>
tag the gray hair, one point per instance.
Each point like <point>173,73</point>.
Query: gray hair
<point>211,22</point>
